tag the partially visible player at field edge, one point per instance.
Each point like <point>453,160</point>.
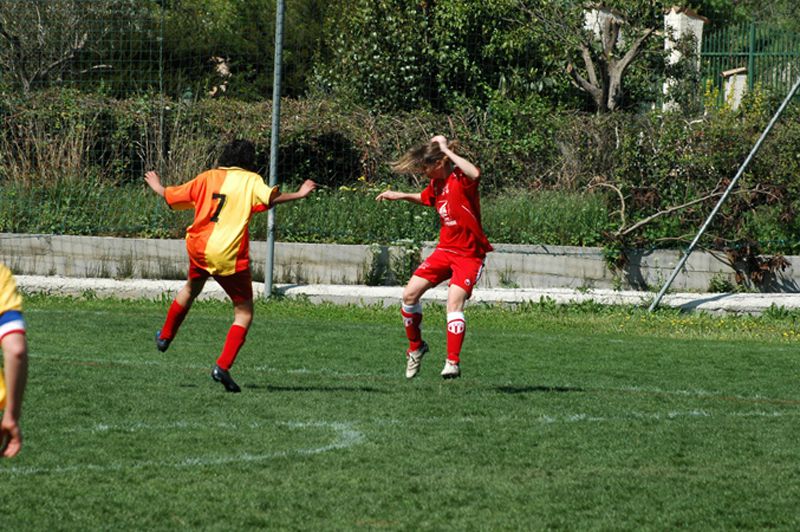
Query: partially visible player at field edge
<point>217,242</point>
<point>15,363</point>
<point>460,253</point>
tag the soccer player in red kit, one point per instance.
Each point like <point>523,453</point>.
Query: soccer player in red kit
<point>217,242</point>
<point>460,253</point>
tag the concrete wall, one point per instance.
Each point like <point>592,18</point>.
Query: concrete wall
<point>510,266</point>
<point>76,256</point>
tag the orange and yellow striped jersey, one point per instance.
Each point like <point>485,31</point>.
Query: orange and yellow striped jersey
<point>9,296</point>
<point>223,199</point>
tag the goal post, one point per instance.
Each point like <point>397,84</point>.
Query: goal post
<point>727,193</point>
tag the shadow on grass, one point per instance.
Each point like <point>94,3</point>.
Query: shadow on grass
<point>537,389</point>
<point>274,388</point>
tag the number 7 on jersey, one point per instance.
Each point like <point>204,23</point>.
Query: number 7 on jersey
<point>221,198</point>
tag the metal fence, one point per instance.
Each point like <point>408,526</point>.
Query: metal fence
<point>114,47</point>
<point>771,56</point>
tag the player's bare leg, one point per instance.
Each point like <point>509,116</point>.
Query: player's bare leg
<point>189,292</point>
<point>412,321</point>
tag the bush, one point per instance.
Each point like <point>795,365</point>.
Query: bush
<point>546,217</point>
<point>548,177</point>
<point>349,216</point>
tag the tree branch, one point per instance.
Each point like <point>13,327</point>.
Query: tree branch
<point>610,35</point>
<point>634,50</point>
<point>652,217</point>
<point>586,54</point>
<point>69,55</point>
<point>583,83</point>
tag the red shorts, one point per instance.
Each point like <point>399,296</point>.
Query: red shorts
<point>238,286</point>
<point>462,271</point>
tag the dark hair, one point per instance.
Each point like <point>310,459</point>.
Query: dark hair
<point>240,153</point>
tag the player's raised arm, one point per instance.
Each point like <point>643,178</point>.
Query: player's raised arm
<point>394,195</point>
<point>469,169</point>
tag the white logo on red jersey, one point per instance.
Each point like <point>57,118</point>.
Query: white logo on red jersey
<point>443,212</point>
<point>408,322</point>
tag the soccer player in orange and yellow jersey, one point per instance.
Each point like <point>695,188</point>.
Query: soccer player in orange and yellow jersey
<point>223,200</point>
<point>15,360</point>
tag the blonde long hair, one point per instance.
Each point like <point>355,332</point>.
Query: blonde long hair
<point>420,157</point>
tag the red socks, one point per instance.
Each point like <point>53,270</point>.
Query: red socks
<point>412,320</point>
<point>456,328</point>
<point>175,316</point>
<point>233,342</point>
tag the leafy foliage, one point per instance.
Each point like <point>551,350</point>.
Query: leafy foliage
<point>653,177</point>
<point>43,42</point>
<point>202,33</point>
<point>432,55</point>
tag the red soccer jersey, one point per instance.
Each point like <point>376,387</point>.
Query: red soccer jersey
<point>458,204</point>
<point>223,200</point>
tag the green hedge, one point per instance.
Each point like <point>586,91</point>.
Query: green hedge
<point>330,216</point>
<point>73,163</point>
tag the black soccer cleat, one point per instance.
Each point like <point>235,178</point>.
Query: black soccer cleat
<point>162,344</point>
<point>220,375</point>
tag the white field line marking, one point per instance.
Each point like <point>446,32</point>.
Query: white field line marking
<point>698,393</point>
<point>658,416</point>
<point>346,436</point>
<point>645,416</point>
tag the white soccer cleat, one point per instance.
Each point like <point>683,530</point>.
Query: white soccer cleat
<point>451,370</point>
<point>414,360</point>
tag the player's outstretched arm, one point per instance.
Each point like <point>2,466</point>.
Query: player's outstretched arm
<point>154,181</point>
<point>305,189</point>
<point>469,169</point>
<point>394,195</point>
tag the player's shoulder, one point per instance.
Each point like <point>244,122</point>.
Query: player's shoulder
<point>207,175</point>
<point>241,173</point>
<point>459,174</point>
<point>464,182</point>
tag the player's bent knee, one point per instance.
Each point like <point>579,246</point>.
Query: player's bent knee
<point>411,297</point>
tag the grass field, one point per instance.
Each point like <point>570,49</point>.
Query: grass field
<point>565,417</point>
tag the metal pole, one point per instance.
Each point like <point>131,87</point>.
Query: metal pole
<point>274,139</point>
<point>739,173</point>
